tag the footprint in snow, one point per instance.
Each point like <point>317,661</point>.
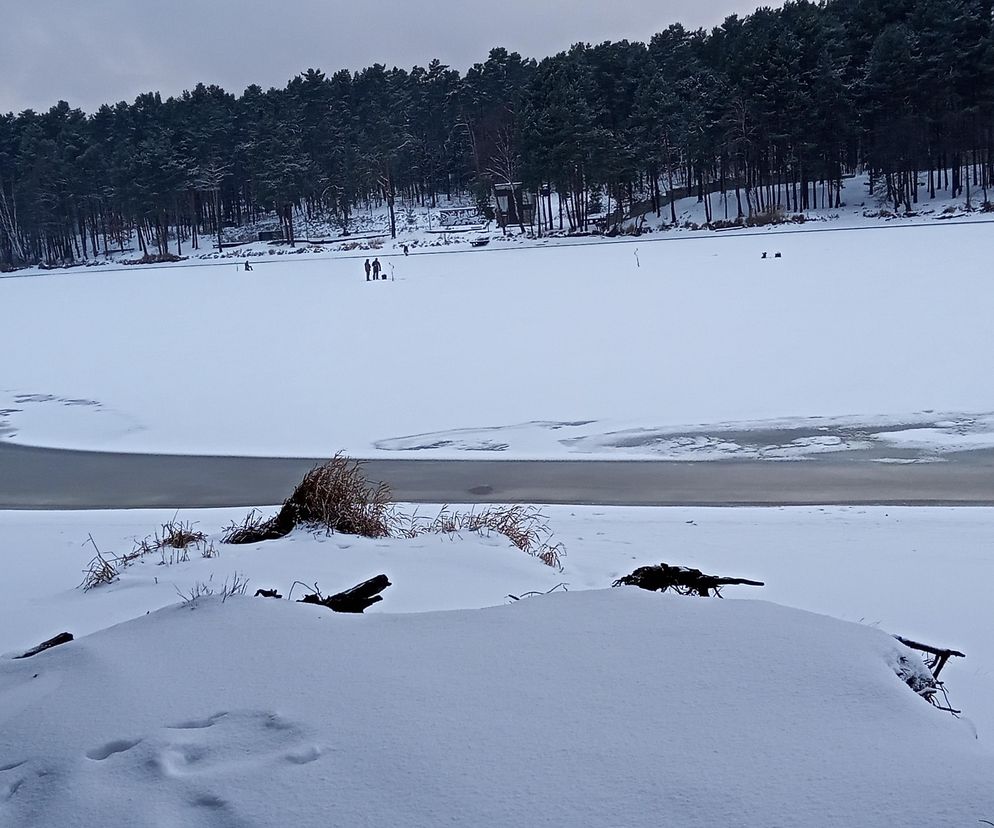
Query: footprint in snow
<point>10,782</point>
<point>230,742</point>
<point>108,749</point>
<point>193,768</point>
<point>198,724</point>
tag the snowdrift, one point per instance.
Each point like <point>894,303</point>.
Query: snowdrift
<point>614,707</point>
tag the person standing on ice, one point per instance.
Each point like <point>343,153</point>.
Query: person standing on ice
<point>377,267</point>
<point>368,268</point>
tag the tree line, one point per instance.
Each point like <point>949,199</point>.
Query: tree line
<point>776,107</point>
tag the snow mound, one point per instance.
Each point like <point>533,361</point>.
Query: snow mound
<point>614,707</point>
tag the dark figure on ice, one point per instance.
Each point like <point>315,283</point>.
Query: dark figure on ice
<point>406,251</point>
<point>248,266</point>
<point>368,268</point>
<point>376,269</point>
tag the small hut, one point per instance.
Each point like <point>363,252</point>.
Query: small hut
<point>515,205</point>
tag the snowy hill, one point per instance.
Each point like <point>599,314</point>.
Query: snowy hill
<point>601,708</point>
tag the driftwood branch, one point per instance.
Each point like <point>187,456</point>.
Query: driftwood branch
<point>61,638</point>
<point>939,655</point>
<point>681,579</point>
<point>267,593</point>
<point>354,600</point>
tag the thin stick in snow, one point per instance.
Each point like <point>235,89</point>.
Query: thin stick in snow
<point>637,262</point>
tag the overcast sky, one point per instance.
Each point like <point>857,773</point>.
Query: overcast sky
<point>91,52</point>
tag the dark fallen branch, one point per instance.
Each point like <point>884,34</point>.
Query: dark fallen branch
<point>533,593</point>
<point>354,600</point>
<point>61,638</point>
<point>267,593</point>
<point>939,656</point>
<point>682,580</point>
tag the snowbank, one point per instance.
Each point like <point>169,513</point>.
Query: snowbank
<point>919,572</point>
<point>600,708</point>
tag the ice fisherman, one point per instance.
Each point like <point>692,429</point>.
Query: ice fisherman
<point>368,268</point>
<point>377,267</point>
<point>247,265</point>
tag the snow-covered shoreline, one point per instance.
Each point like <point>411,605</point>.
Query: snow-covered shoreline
<point>920,572</point>
<point>590,707</point>
<point>421,234</point>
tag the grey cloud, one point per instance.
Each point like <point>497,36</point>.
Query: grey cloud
<point>102,51</point>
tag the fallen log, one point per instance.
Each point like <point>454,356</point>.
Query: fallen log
<point>682,580</point>
<point>354,600</point>
<point>61,638</point>
<point>267,593</point>
<point>939,655</point>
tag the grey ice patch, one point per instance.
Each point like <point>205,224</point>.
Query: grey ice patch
<point>484,438</point>
<point>6,428</point>
<point>19,407</point>
<point>22,399</point>
<point>26,399</point>
<point>796,442</point>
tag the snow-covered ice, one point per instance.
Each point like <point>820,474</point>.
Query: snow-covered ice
<point>525,352</point>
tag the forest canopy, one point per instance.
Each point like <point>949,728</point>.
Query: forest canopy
<point>777,106</point>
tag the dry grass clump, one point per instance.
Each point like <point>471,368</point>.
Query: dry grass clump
<point>101,569</point>
<point>156,258</point>
<point>334,496</point>
<point>179,535</point>
<point>173,544</point>
<point>774,216</point>
<point>727,224</point>
<point>235,587</point>
<point>524,526</point>
<point>250,530</point>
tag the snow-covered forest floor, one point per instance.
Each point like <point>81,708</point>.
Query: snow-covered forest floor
<point>578,708</point>
<point>866,341</point>
<point>421,229</point>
